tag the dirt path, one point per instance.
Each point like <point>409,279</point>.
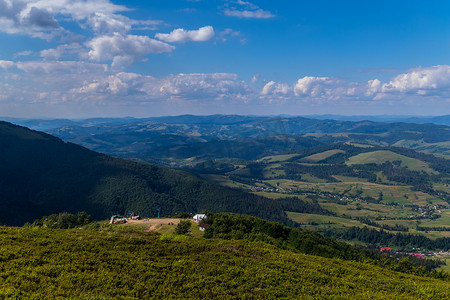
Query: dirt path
<point>152,224</point>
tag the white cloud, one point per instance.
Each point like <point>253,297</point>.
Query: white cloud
<point>373,86</point>
<point>273,88</point>
<point>23,53</point>
<point>120,84</point>
<point>6,64</point>
<point>110,23</point>
<point>211,86</point>
<point>124,50</point>
<point>228,32</point>
<point>57,67</point>
<point>101,22</point>
<point>247,14</point>
<point>432,78</point>
<point>38,18</point>
<point>198,87</point>
<point>63,50</point>
<point>53,83</point>
<point>247,10</point>
<point>22,17</point>
<point>245,3</point>
<point>314,86</point>
<point>181,36</point>
<point>256,77</point>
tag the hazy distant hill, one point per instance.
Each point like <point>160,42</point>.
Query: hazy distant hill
<point>438,120</point>
<point>40,174</point>
<point>167,139</point>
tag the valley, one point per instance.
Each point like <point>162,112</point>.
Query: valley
<point>371,186</point>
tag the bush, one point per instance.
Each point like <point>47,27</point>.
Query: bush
<point>183,227</point>
<point>63,220</point>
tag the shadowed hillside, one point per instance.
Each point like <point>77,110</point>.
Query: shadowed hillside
<point>41,175</point>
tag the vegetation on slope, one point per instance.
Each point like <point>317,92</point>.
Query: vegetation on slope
<point>233,226</point>
<point>109,264</point>
<point>397,240</point>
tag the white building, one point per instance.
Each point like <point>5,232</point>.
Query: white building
<point>199,217</point>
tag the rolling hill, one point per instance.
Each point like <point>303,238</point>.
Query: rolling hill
<point>172,140</point>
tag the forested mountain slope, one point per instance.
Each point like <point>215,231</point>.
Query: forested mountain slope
<point>41,175</point>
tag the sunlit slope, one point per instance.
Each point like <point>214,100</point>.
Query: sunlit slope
<point>40,263</point>
<point>382,156</point>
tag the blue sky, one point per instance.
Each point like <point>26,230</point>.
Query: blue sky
<point>86,58</point>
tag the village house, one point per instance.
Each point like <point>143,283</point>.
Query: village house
<point>199,217</point>
<point>203,226</point>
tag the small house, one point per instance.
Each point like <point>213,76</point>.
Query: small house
<point>199,217</point>
<point>386,249</point>
<point>203,226</point>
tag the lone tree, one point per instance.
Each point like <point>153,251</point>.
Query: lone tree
<point>183,227</point>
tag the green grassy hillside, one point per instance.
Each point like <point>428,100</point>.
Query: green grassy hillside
<point>382,156</point>
<point>115,264</point>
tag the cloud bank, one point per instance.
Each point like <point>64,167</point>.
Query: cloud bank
<point>98,84</point>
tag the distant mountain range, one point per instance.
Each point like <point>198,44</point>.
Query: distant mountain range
<point>439,120</point>
<point>49,124</point>
<point>177,140</point>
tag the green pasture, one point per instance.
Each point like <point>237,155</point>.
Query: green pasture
<point>443,221</point>
<point>382,156</point>
<point>224,181</point>
<point>309,219</point>
<point>277,158</point>
<point>322,155</point>
<point>391,193</point>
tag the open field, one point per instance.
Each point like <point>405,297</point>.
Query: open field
<point>276,158</point>
<point>443,221</point>
<point>224,181</point>
<point>379,157</point>
<point>391,193</point>
<point>276,195</point>
<point>446,267</point>
<point>323,155</point>
<point>321,220</point>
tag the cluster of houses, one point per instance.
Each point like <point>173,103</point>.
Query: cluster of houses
<point>263,189</point>
<point>417,252</point>
<point>199,218</point>
<point>425,211</point>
